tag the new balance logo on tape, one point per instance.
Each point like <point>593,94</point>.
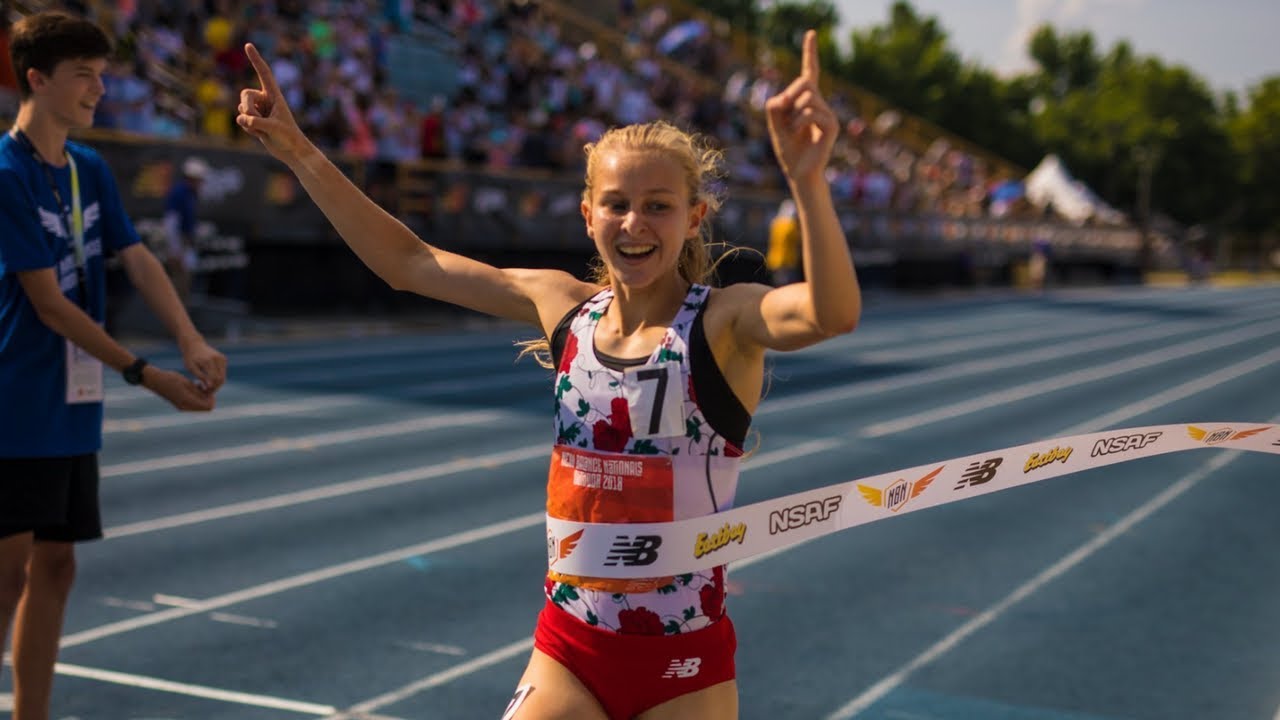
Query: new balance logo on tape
<point>634,551</point>
<point>685,668</point>
<point>981,471</point>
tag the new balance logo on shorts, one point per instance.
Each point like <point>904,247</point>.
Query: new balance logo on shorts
<point>522,693</point>
<point>685,668</point>
<point>632,552</point>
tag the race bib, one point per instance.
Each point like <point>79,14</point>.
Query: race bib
<point>84,376</point>
<point>595,487</point>
<point>655,400</point>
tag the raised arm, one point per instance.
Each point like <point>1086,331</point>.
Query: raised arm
<point>803,130</point>
<point>382,242</point>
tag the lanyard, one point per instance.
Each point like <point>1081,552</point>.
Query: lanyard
<point>73,213</point>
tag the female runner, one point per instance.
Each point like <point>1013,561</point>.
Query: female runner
<point>657,375</point>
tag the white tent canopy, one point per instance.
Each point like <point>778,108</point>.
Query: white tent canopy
<point>1051,184</point>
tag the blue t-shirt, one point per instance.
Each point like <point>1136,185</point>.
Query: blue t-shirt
<point>35,233</point>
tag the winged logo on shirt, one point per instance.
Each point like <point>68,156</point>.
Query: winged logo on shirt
<point>53,223</point>
<point>92,214</point>
<point>56,224</point>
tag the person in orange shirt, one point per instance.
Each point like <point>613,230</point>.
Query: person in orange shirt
<point>783,258</point>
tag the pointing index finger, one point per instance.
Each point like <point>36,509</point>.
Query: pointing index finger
<point>260,66</point>
<point>810,62</point>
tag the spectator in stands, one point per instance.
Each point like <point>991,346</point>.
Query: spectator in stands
<point>8,81</point>
<point>783,258</point>
<point>180,252</point>
<point>432,136</point>
<point>60,212</point>
<point>601,647</point>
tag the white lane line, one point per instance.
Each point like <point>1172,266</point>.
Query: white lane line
<point>334,371</point>
<point>493,657</point>
<point>431,647</point>
<point>376,482</point>
<point>174,601</point>
<point>430,347</point>
<point>245,620</point>
<point>235,412</point>
<point>992,341</point>
<point>167,418</point>
<point>308,578</point>
<point>849,391</point>
<point>1178,392</point>
<point>1134,409</point>
<point>200,691</point>
<point>877,335</point>
<point>891,682</point>
<point>922,347</point>
<point>358,349</point>
<point>1072,379</point>
<point>140,605</point>
<point>305,442</point>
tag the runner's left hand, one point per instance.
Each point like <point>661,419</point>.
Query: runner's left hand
<point>802,126</point>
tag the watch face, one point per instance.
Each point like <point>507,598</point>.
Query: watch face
<point>133,373</point>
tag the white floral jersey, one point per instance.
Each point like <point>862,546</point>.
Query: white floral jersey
<point>634,446</point>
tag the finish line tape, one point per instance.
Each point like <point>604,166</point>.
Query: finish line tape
<point>647,550</point>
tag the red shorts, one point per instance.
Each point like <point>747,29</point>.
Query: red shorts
<point>630,674</point>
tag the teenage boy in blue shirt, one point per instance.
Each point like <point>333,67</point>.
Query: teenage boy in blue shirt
<point>60,214</point>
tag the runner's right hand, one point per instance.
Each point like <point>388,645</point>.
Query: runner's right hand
<point>265,115</point>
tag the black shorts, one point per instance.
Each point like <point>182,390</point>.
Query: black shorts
<point>56,498</point>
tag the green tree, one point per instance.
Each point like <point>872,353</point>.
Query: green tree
<point>1138,110</point>
<point>783,24</point>
<point>1255,137</point>
<point>906,61</point>
<point>909,61</point>
<point>1067,62</point>
<point>741,14</point>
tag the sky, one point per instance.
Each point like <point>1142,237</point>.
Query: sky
<point>1231,44</point>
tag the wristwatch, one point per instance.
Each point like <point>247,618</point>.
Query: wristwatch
<point>133,373</point>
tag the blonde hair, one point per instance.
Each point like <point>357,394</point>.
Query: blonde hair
<point>701,165</point>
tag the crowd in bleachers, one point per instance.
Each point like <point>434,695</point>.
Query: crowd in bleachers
<point>528,92</point>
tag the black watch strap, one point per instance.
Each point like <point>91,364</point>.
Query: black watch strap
<point>133,373</point>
